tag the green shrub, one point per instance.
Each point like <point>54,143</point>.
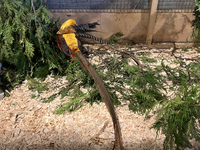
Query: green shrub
<point>28,36</point>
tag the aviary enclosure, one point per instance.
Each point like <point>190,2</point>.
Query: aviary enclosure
<point>139,20</point>
<point>53,103</point>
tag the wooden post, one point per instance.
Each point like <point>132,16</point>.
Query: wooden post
<point>152,20</point>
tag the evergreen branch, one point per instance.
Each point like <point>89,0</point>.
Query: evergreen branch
<point>22,47</point>
<point>125,52</point>
<point>21,7</point>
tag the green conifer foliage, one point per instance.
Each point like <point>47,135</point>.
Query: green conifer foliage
<point>196,23</point>
<point>28,39</point>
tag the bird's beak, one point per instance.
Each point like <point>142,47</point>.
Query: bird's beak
<point>59,32</point>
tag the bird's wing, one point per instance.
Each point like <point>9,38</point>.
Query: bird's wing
<point>73,44</point>
<point>63,45</point>
<point>71,41</point>
<point>68,43</point>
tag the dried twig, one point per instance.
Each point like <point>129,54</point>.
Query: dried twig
<point>195,74</point>
<point>192,59</point>
<point>133,57</point>
<point>32,6</point>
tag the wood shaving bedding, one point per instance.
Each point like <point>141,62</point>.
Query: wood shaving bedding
<point>27,123</point>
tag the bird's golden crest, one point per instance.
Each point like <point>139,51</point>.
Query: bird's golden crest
<point>67,27</point>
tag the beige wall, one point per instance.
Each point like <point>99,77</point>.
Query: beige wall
<point>169,27</point>
<point>173,27</point>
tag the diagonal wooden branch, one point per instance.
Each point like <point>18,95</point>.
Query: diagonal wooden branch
<point>192,59</point>
<point>132,56</point>
<point>32,6</point>
<point>105,96</point>
<point>195,74</point>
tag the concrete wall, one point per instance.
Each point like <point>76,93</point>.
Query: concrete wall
<point>173,27</point>
<point>169,27</point>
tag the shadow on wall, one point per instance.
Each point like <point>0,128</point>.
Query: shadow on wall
<point>171,27</point>
<point>138,33</point>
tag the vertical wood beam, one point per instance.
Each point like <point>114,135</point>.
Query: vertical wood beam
<point>152,21</point>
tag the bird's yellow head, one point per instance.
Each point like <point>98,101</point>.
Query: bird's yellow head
<point>67,27</point>
<point>68,23</point>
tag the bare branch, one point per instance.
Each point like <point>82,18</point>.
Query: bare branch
<point>32,6</point>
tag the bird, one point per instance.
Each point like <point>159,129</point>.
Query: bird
<point>69,34</point>
<point>69,43</point>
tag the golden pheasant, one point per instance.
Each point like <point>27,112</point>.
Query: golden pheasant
<point>67,38</point>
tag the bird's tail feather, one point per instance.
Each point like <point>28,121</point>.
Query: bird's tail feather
<point>85,35</point>
<point>85,27</point>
